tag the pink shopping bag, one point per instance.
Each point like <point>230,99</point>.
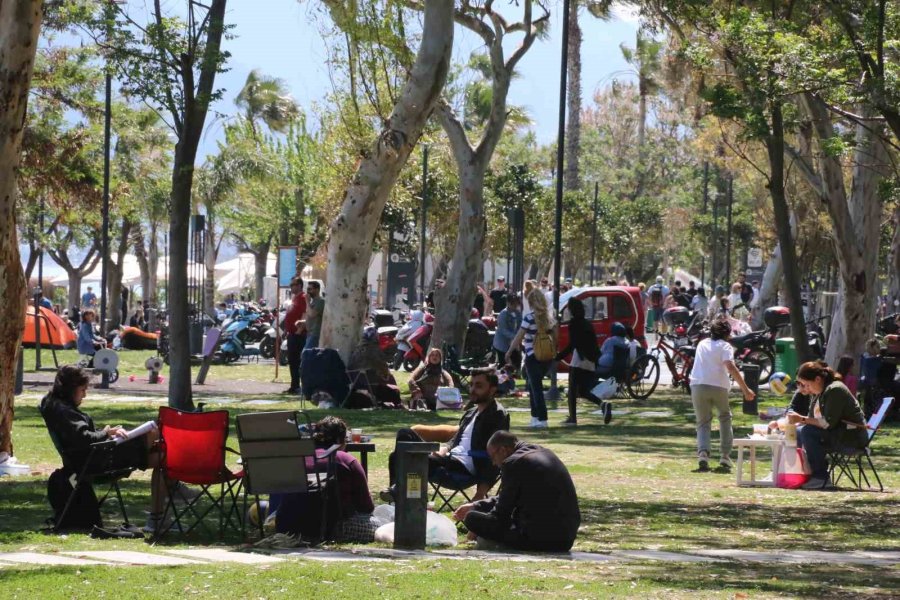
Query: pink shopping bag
<point>794,469</point>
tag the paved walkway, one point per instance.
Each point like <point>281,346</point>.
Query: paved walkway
<point>177,557</point>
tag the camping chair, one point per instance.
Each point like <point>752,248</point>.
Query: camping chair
<point>279,459</point>
<point>620,370</point>
<point>446,485</point>
<point>460,369</point>
<point>96,469</point>
<point>194,449</point>
<point>844,461</point>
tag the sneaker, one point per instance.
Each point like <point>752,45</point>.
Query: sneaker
<point>703,466</point>
<point>533,422</point>
<point>607,413</point>
<point>725,463</point>
<point>541,425</point>
<point>570,422</point>
<point>155,523</point>
<point>290,390</point>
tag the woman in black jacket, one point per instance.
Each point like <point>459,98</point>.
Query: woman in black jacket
<point>583,366</point>
<point>73,432</point>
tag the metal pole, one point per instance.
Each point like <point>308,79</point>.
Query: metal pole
<point>594,231</point>
<point>105,239</point>
<point>560,153</point>
<point>424,217</point>
<point>705,202</point>
<point>715,237</point>
<point>40,285</point>
<point>728,231</point>
<point>508,246</point>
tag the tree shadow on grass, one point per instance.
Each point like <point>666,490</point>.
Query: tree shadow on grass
<point>797,581</point>
<point>859,524</point>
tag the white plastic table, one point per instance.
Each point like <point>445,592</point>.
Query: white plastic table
<point>776,446</point>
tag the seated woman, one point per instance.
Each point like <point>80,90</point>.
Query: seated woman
<point>350,517</point>
<point>354,519</point>
<point>74,432</point>
<point>835,419</point>
<point>426,379</point>
<point>615,340</point>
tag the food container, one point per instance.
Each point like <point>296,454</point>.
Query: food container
<point>790,434</point>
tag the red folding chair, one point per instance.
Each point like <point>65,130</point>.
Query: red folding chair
<point>193,446</point>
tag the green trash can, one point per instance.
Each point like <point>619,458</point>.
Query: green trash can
<point>786,356</point>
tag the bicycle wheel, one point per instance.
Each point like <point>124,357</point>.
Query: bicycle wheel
<point>643,377</point>
<point>765,360</point>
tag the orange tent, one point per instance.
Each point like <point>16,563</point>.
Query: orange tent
<point>54,331</point>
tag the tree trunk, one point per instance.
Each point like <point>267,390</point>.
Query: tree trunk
<point>856,227</point>
<point>260,260</point>
<point>775,147</point>
<point>353,231</point>
<point>114,280</point>
<point>454,300</point>
<point>572,178</point>
<point>152,293</point>
<point>140,253</point>
<point>32,261</point>
<point>195,109</point>
<point>771,280</point>
<point>894,266</point>
<point>76,273</point>
<point>20,24</point>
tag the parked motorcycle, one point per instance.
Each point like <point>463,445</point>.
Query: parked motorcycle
<point>418,343</point>
<point>235,340</point>
<point>402,346</point>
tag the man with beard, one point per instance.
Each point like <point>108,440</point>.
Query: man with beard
<point>466,452</point>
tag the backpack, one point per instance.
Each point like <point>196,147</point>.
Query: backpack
<point>656,298</point>
<point>84,512</point>
<point>543,346</point>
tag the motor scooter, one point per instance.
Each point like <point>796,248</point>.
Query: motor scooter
<point>418,344</point>
<point>402,346</point>
<point>235,341</point>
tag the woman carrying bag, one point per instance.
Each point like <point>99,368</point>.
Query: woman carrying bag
<point>537,336</point>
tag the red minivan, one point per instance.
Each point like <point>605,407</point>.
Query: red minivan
<point>603,306</point>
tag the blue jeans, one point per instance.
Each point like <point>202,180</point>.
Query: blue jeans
<point>312,341</point>
<point>534,376</point>
<point>814,442</point>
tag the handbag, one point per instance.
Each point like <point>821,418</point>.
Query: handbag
<point>606,389</point>
<point>793,469</point>
<point>449,398</point>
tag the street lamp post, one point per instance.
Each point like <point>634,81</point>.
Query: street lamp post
<point>560,153</point>
<point>705,202</point>
<point>728,231</point>
<point>424,217</point>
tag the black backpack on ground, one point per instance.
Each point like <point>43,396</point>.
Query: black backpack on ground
<point>84,512</point>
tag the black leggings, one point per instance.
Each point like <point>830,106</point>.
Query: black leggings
<point>434,462</point>
<point>581,383</point>
<point>487,525</point>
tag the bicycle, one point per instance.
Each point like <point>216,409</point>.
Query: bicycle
<point>645,371</point>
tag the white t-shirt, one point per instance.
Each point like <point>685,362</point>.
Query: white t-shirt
<point>462,452</point>
<point>709,363</point>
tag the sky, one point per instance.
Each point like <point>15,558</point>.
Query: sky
<point>282,38</point>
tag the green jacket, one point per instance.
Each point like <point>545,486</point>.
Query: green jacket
<point>839,406</point>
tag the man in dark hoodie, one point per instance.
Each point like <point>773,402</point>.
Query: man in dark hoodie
<point>537,508</point>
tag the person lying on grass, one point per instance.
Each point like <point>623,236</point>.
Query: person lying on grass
<point>537,508</point>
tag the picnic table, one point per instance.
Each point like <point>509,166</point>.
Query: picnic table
<point>751,444</point>
<point>363,448</point>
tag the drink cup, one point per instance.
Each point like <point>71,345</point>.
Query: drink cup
<point>356,435</point>
<point>760,429</point>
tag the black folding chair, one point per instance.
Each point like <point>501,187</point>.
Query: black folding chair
<point>279,458</point>
<point>447,485</point>
<point>97,469</point>
<point>846,461</point>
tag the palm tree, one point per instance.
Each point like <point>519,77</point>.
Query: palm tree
<point>644,58</point>
<point>599,9</point>
<point>265,98</point>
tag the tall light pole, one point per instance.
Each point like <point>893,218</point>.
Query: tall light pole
<point>705,201</point>
<point>560,153</point>
<point>107,117</point>
<point>728,231</point>
<point>424,217</point>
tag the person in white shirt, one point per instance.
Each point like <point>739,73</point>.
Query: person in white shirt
<point>710,384</point>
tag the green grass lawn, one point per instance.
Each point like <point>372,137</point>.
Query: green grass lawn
<point>636,488</point>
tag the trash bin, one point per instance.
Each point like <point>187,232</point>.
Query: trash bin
<point>411,516</point>
<point>786,356</point>
<point>20,371</point>
<point>751,378</point>
<point>196,337</point>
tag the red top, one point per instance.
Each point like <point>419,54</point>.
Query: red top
<point>295,313</point>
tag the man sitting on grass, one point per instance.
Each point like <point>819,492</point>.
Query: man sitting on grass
<point>537,508</point>
<point>465,454</point>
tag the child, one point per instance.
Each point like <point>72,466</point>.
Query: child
<point>844,366</point>
<point>87,342</point>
